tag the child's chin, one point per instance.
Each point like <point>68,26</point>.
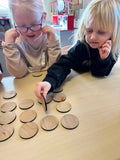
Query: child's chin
<point>32,39</point>
<point>93,46</point>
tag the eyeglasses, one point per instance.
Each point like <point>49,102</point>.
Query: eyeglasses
<point>34,28</point>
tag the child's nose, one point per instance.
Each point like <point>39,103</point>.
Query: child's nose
<point>93,35</point>
<point>29,30</point>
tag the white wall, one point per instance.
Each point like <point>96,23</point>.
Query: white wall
<point>4,13</point>
<point>3,8</point>
<point>85,3</point>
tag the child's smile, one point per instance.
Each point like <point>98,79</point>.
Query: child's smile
<point>28,18</point>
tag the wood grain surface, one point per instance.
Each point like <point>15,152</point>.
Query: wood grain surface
<point>9,94</point>
<point>49,123</point>
<point>28,116</point>
<point>69,121</point>
<point>58,97</point>
<point>26,104</point>
<point>6,132</point>
<point>8,117</point>
<point>8,106</point>
<point>95,102</point>
<point>63,107</point>
<point>28,130</point>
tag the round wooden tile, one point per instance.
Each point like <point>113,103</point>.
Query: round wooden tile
<point>26,104</point>
<point>6,131</point>
<point>69,121</point>
<point>58,97</point>
<point>28,130</point>
<point>37,74</point>
<point>9,94</point>
<point>28,116</point>
<point>63,107</point>
<point>49,123</point>
<point>7,117</point>
<point>8,106</point>
<point>60,89</point>
<point>49,98</point>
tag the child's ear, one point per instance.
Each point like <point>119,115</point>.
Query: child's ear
<point>44,17</point>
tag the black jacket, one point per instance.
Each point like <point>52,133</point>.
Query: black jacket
<point>1,68</point>
<point>76,57</point>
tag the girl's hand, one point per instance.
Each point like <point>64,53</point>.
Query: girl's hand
<point>105,49</point>
<point>42,87</point>
<point>11,35</point>
<point>50,32</point>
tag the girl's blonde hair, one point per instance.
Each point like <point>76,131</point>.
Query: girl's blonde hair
<point>107,17</point>
<point>33,5</point>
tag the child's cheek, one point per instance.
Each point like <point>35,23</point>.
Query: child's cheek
<point>86,38</point>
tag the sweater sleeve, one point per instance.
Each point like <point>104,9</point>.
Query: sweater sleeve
<point>15,63</point>
<point>59,71</point>
<point>1,68</point>
<point>102,67</point>
<point>54,52</point>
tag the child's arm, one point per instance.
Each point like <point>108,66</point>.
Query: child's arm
<point>43,87</point>
<point>55,76</point>
<point>104,50</point>
<point>57,73</point>
<point>54,49</point>
<point>50,32</point>
<point>102,66</point>
<point>11,35</point>
<point>15,64</point>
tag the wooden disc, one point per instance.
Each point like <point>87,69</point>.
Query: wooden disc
<point>26,104</point>
<point>28,130</point>
<point>8,106</point>
<point>49,98</point>
<point>6,131</point>
<point>63,107</point>
<point>37,74</point>
<point>28,116</point>
<point>9,94</point>
<point>49,123</point>
<point>44,104</point>
<point>58,97</point>
<point>60,89</point>
<point>69,121</point>
<point>7,117</point>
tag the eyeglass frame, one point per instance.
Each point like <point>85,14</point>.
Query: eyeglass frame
<point>30,27</point>
<point>27,28</point>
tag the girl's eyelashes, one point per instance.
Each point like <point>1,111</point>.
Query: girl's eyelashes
<point>91,31</point>
<point>101,32</point>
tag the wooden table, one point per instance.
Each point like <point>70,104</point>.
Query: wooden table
<point>96,103</point>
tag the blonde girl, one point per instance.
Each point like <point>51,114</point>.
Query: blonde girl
<point>31,45</point>
<point>96,47</point>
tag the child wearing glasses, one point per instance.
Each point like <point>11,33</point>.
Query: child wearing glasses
<point>96,48</point>
<point>31,45</point>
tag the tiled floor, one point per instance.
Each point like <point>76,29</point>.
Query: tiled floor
<point>65,37</point>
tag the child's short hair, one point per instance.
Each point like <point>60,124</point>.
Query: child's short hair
<point>34,5</point>
<point>106,14</point>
